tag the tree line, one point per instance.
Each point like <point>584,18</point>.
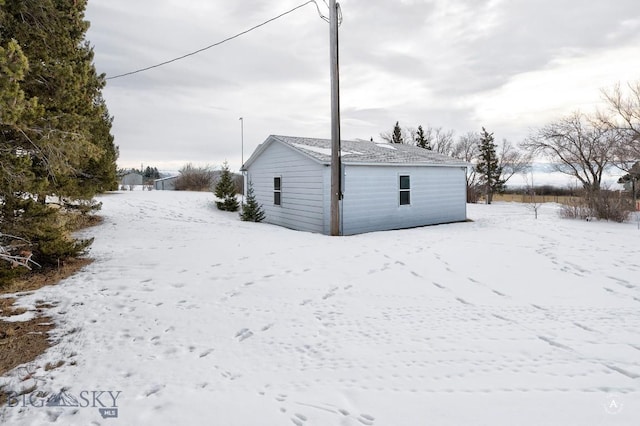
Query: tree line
<point>580,145</point>
<point>492,164</point>
<point>55,129</point>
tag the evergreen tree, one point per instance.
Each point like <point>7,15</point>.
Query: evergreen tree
<point>251,210</point>
<point>149,175</point>
<point>421,139</point>
<point>226,191</point>
<point>15,113</point>
<point>396,137</point>
<point>54,126</point>
<point>69,141</point>
<point>488,167</point>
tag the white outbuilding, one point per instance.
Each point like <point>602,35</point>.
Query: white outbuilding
<point>166,183</point>
<point>385,186</point>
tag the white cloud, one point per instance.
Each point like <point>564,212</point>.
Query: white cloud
<point>459,64</point>
<point>533,98</point>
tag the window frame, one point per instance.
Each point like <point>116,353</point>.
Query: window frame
<point>277,191</point>
<point>402,190</point>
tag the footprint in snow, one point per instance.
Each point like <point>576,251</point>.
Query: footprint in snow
<point>500,317</point>
<point>366,419</point>
<point>229,375</point>
<point>205,353</point>
<point>330,293</point>
<point>584,327</point>
<point>153,390</point>
<point>244,334</point>
<point>298,419</point>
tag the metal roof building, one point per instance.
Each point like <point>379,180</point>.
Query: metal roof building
<point>385,186</point>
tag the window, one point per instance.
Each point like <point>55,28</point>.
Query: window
<point>277,185</point>
<point>405,190</point>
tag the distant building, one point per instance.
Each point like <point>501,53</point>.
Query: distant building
<point>167,183</point>
<point>131,179</point>
<point>385,186</point>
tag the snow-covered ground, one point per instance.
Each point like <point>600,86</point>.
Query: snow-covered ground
<point>197,318</point>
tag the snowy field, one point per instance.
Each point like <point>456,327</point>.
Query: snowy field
<point>197,318</point>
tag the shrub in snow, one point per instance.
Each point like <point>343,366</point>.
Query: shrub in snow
<point>251,210</point>
<point>601,204</point>
<point>226,191</point>
<point>194,178</point>
<point>610,205</point>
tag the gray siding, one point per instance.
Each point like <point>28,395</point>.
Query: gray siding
<point>371,197</point>
<point>302,195</point>
<point>131,179</point>
<point>166,184</point>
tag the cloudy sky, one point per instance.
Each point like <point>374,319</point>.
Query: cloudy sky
<point>507,65</point>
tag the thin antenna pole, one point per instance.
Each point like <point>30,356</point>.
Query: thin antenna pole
<point>241,141</point>
<point>242,160</point>
<point>336,190</point>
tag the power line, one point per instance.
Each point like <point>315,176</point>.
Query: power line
<point>221,42</point>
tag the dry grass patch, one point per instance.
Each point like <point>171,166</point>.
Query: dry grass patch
<point>527,198</point>
<point>46,276</point>
<point>76,221</point>
<point>52,366</point>
<point>23,341</point>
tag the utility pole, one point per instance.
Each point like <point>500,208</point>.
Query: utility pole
<point>242,159</point>
<point>241,141</point>
<point>336,190</point>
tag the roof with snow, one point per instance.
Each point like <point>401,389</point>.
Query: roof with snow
<point>361,152</point>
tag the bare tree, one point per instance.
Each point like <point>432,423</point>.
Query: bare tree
<point>579,146</point>
<point>466,149</point>
<point>193,178</point>
<point>511,160</point>
<point>530,191</point>
<point>624,116</point>
<point>441,141</point>
<point>399,135</point>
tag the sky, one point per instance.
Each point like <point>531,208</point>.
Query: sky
<point>508,66</point>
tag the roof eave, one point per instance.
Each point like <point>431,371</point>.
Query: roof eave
<point>359,163</point>
<point>271,139</point>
